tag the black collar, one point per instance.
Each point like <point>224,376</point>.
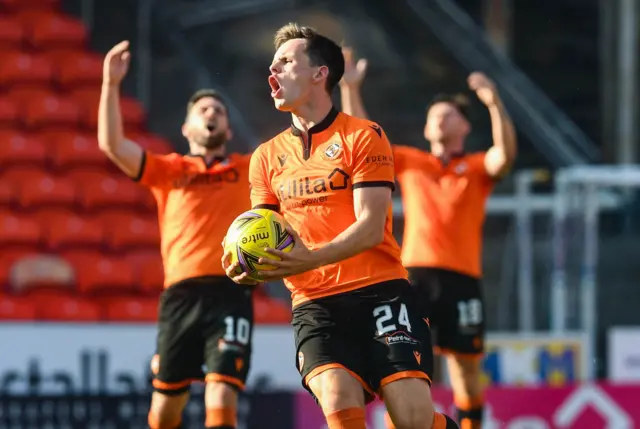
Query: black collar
<point>214,160</point>
<point>320,126</point>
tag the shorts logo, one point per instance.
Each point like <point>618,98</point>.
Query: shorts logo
<point>239,364</point>
<point>300,361</point>
<point>155,364</point>
<point>332,151</point>
<point>400,337</point>
<point>418,356</point>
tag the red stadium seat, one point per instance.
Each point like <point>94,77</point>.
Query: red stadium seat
<point>67,309</point>
<point>133,114</point>
<point>44,189</point>
<point>152,143</point>
<point>270,311</point>
<point>132,309</point>
<point>9,113</point>
<point>12,34</point>
<point>22,68</point>
<point>149,270</point>
<point>70,149</point>
<point>46,30</point>
<point>65,229</point>
<point>108,192</point>
<point>41,274</point>
<point>98,273</point>
<point>20,95</point>
<point>51,111</point>
<point>8,194</point>
<point>18,230</point>
<point>126,230</point>
<point>16,308</point>
<point>18,5</point>
<point>76,68</point>
<point>17,148</point>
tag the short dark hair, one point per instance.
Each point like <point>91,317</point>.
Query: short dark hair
<point>458,100</point>
<point>321,50</point>
<point>204,93</point>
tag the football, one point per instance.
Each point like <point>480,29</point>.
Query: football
<point>252,232</point>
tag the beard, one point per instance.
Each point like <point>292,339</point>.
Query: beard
<point>213,141</point>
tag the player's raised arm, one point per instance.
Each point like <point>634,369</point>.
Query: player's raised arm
<point>502,154</point>
<point>127,155</point>
<point>354,73</point>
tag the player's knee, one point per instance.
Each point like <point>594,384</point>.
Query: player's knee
<point>221,395</point>
<point>337,390</point>
<point>166,410</point>
<point>409,404</point>
<point>466,375</point>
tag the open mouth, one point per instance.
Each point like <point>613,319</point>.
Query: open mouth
<point>276,89</point>
<point>211,128</point>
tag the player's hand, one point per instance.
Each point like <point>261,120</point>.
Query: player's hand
<point>299,260</point>
<point>232,270</point>
<point>354,72</point>
<point>116,64</point>
<point>484,88</point>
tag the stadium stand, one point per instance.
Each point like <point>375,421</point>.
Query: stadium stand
<point>79,241</point>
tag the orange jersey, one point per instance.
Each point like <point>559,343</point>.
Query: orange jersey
<point>196,204</point>
<point>444,209</point>
<point>311,183</point>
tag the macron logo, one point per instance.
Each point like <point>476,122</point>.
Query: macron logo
<point>377,129</point>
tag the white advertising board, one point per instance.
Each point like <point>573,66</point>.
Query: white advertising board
<point>114,358</point>
<point>624,354</point>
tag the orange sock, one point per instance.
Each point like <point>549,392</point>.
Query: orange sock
<point>440,421</point>
<point>470,412</point>
<point>351,418</point>
<point>221,418</point>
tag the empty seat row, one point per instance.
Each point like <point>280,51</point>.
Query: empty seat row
<point>115,309</point>
<point>63,149</point>
<point>41,29</point>
<point>31,188</point>
<point>64,68</point>
<point>40,108</point>
<point>61,229</point>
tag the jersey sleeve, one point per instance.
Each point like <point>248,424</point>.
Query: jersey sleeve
<point>158,170</point>
<point>403,157</point>
<point>261,194</point>
<point>373,163</point>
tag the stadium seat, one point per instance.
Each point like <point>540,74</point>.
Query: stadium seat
<point>131,309</point>
<point>133,114</point>
<point>9,114</point>
<point>17,5</point>
<point>22,68</point>
<point>71,149</point>
<point>41,274</point>
<point>64,229</point>
<point>8,194</point>
<point>149,273</point>
<point>125,230</point>
<point>18,230</point>
<point>76,68</point>
<point>270,311</point>
<point>17,148</point>
<point>47,30</point>
<point>67,309</point>
<point>108,192</point>
<point>97,273</point>
<point>16,308</point>
<point>41,189</point>
<point>51,111</point>
<point>12,34</point>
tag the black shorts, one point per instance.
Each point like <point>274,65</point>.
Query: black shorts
<point>203,322</point>
<point>454,304</point>
<point>377,333</point>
